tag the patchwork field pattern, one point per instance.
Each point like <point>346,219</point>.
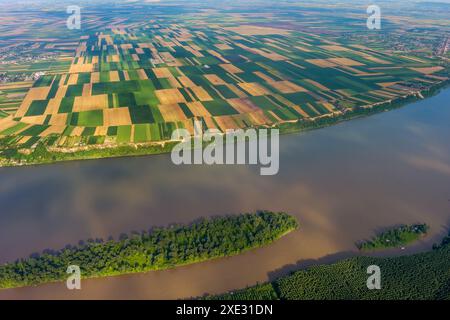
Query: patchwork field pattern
<point>12,93</point>
<point>136,85</point>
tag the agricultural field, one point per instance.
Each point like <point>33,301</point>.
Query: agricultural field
<point>136,82</point>
<point>346,280</point>
<point>28,51</point>
<point>20,78</point>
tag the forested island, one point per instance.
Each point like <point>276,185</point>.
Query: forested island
<point>157,249</point>
<point>395,237</point>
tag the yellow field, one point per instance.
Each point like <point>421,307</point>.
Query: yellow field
<point>116,117</point>
<point>169,96</point>
<point>85,103</point>
<point>254,88</point>
<point>249,30</point>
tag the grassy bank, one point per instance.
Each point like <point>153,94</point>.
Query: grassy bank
<point>41,155</point>
<point>12,156</point>
<point>158,249</point>
<point>395,237</point>
<point>421,276</point>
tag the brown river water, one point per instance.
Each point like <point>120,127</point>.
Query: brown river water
<point>343,183</point>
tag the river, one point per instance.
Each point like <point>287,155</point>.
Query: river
<point>343,182</point>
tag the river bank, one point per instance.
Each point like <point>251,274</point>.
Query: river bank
<point>43,155</point>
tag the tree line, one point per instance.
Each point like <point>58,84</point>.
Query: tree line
<point>157,249</point>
